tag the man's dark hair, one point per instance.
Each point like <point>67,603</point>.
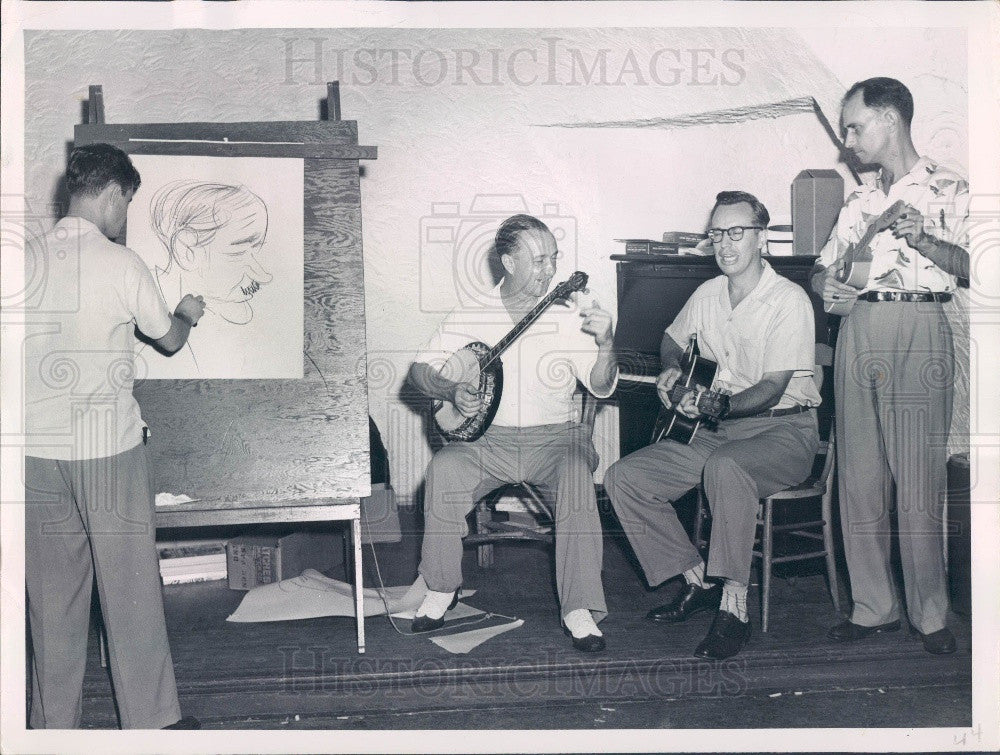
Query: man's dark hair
<point>92,167</point>
<point>509,230</point>
<point>883,92</point>
<point>760,214</point>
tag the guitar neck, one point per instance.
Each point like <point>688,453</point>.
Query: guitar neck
<point>504,343</point>
<point>679,391</point>
<point>861,251</point>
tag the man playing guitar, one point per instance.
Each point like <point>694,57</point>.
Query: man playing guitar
<point>758,327</point>
<point>534,435</point>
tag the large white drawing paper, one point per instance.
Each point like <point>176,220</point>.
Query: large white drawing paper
<point>230,230</point>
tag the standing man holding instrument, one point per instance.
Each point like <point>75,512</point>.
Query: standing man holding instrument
<point>894,368</point>
<point>89,508</point>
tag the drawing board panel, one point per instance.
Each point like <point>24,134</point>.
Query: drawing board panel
<point>229,229</point>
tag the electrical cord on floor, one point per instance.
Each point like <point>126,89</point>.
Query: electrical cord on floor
<point>381,593</point>
<point>378,571</point>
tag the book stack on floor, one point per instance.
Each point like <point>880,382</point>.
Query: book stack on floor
<point>674,242</point>
<point>192,561</point>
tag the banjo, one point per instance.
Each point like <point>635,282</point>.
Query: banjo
<point>480,365</point>
<point>858,258</point>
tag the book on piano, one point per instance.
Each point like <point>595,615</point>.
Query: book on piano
<point>647,246</point>
<point>673,242</point>
<point>683,238</point>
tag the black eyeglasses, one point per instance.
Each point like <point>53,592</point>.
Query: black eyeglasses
<point>735,233</point>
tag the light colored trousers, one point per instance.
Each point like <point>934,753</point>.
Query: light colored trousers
<point>743,461</point>
<point>894,377</point>
<point>85,519</point>
<point>560,460</point>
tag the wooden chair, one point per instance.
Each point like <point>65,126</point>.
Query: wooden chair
<point>489,531</point>
<point>819,485</point>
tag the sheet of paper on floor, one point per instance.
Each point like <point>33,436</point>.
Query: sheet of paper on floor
<point>462,642</point>
<point>312,595</point>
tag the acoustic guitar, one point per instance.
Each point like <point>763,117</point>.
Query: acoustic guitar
<point>480,365</point>
<point>857,260</point>
<point>698,373</point>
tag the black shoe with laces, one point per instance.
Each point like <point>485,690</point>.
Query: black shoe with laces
<point>691,600</point>
<point>726,638</point>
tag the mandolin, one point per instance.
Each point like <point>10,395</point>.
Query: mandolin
<point>857,260</point>
<point>698,372</point>
<point>480,365</point>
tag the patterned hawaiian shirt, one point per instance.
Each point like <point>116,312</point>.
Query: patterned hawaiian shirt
<point>941,196</point>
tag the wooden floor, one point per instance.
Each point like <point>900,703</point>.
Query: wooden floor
<point>307,674</point>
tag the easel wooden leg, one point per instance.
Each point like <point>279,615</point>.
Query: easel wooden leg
<point>359,587</point>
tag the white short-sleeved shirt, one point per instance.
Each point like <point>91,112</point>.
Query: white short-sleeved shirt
<point>941,196</point>
<point>540,368</point>
<point>771,330</point>
<point>79,362</point>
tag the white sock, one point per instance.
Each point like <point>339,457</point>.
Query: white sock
<point>696,575</point>
<point>580,623</point>
<point>435,604</point>
<point>734,599</point>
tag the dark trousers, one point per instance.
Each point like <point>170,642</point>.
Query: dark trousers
<point>87,519</point>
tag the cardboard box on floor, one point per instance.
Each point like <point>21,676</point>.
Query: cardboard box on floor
<point>260,560</point>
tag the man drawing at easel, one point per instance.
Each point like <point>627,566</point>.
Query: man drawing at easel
<point>88,483</point>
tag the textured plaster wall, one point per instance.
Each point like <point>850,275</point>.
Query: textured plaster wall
<point>459,119</point>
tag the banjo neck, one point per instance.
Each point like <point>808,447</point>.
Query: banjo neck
<point>523,324</point>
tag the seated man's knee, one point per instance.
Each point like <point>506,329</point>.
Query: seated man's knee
<point>613,477</point>
<point>725,475</point>
<point>722,465</point>
<point>454,456</point>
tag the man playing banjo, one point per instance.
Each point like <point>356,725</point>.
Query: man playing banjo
<point>535,435</point>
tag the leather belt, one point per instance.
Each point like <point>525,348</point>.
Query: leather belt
<point>905,296</point>
<point>797,409</point>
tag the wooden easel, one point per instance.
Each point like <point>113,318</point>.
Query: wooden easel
<point>329,430</point>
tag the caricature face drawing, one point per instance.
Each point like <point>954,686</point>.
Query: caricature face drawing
<point>214,234</point>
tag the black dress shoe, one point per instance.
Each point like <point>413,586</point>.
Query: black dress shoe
<point>691,600</point>
<point>592,643</point>
<point>848,631</point>
<point>427,624</point>
<point>726,638</point>
<point>941,642</point>
<point>188,722</point>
